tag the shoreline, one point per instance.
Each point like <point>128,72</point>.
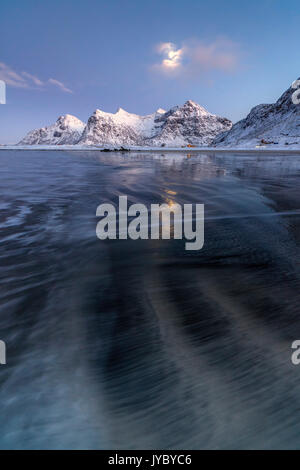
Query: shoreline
<point>74,148</point>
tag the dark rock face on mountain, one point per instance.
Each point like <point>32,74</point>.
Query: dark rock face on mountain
<point>188,124</point>
<point>277,123</point>
<point>66,131</point>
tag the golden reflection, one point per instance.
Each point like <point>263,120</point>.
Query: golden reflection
<point>170,202</point>
<point>171,193</point>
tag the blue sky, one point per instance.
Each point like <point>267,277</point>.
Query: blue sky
<point>73,56</point>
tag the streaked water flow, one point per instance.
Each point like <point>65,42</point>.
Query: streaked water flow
<point>141,344</point>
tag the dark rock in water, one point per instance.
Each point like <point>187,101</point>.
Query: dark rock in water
<point>266,142</point>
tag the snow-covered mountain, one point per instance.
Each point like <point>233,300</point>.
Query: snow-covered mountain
<point>67,130</point>
<point>181,125</point>
<point>187,124</point>
<point>277,123</point>
<point>121,128</point>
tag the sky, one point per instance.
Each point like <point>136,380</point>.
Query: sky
<point>74,56</point>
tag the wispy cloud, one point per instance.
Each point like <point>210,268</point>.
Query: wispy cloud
<point>60,85</point>
<point>27,80</point>
<point>33,78</point>
<point>12,78</point>
<point>195,57</point>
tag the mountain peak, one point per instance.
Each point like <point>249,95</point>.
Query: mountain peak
<point>276,123</point>
<point>69,119</point>
<point>181,125</point>
<point>191,103</point>
<point>66,130</point>
<point>193,106</point>
<point>122,111</point>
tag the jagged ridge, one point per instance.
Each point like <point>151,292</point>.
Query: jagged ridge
<point>181,125</point>
<point>277,123</point>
